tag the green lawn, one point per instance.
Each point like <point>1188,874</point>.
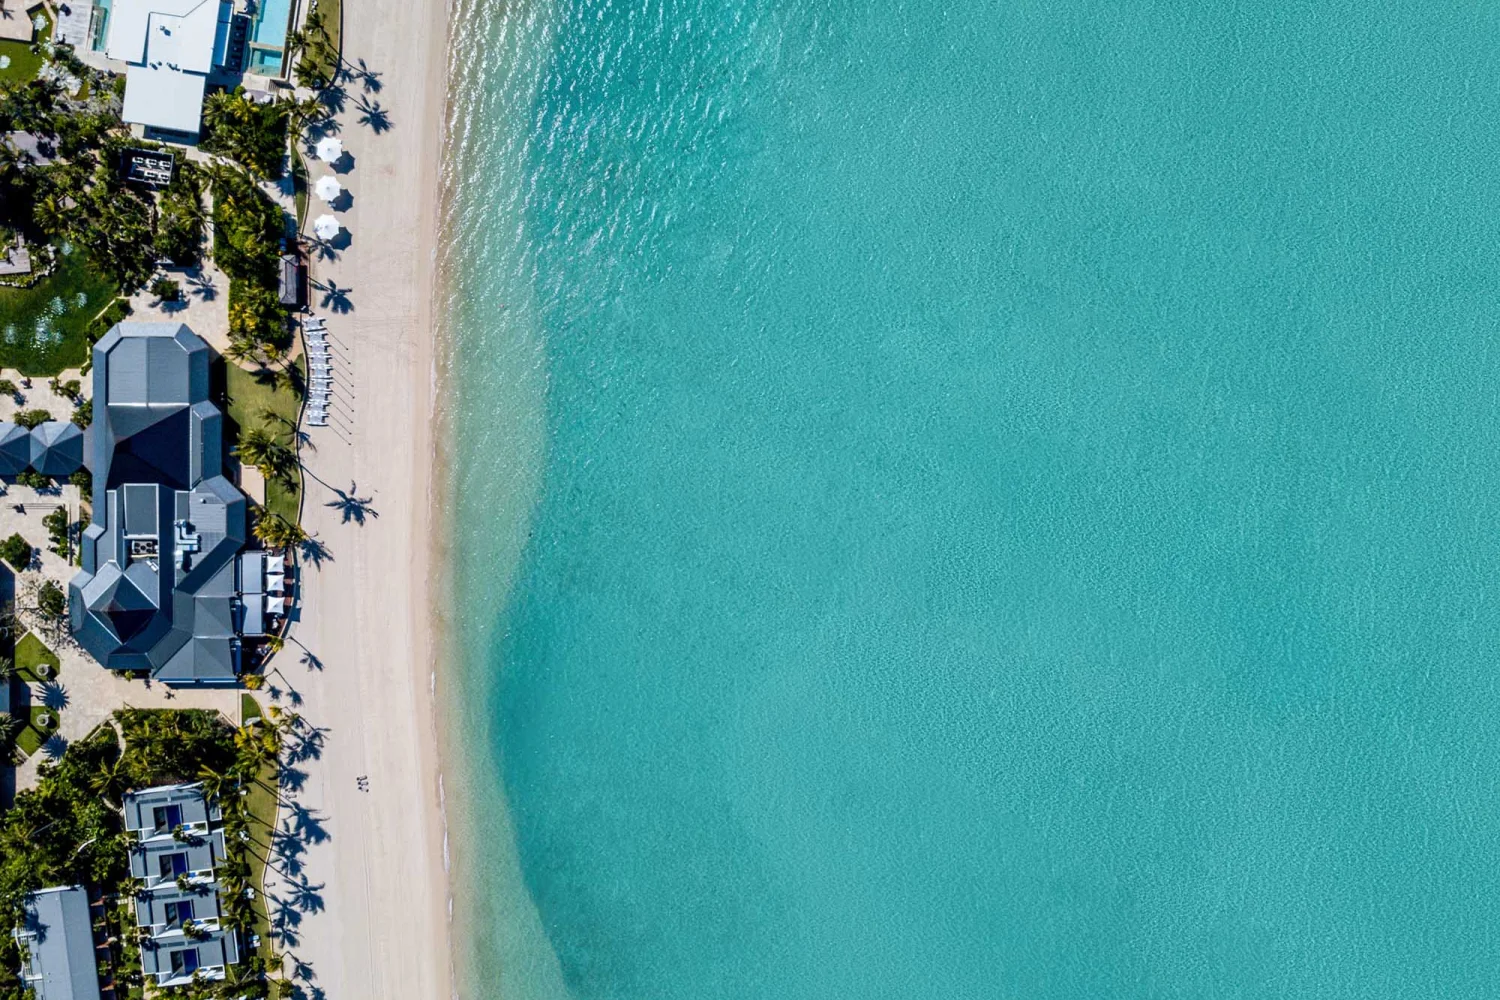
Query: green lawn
<point>248,396</point>
<point>249,708</point>
<point>333,23</point>
<point>261,806</point>
<point>44,328</point>
<point>24,63</point>
<point>32,652</point>
<point>33,736</point>
<point>299,184</point>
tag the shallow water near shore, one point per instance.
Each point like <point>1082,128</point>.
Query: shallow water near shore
<point>986,501</point>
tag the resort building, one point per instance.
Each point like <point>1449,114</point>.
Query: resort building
<point>59,956</point>
<point>177,848</point>
<point>170,47</point>
<point>159,589</point>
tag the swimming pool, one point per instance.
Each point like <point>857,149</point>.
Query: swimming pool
<point>271,17</point>
<point>268,36</point>
<point>265,62</point>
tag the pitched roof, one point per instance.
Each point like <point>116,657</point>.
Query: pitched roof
<point>57,448</point>
<point>59,937</point>
<point>15,449</point>
<point>157,585</point>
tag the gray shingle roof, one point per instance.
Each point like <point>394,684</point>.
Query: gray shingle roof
<point>57,448</point>
<point>157,583</point>
<point>15,449</point>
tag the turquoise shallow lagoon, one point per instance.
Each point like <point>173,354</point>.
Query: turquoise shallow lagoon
<point>976,499</point>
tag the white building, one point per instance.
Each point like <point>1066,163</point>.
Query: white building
<point>170,47</point>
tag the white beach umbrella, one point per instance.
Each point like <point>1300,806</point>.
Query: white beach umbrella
<point>328,188</point>
<point>329,149</point>
<point>326,227</point>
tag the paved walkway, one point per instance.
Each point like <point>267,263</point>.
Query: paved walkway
<point>39,395</point>
<point>89,694</point>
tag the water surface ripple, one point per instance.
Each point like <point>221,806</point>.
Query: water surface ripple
<point>975,500</point>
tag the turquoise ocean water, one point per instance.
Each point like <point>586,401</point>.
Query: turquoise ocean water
<point>975,499</point>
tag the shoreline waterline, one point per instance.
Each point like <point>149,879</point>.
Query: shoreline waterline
<point>497,939</point>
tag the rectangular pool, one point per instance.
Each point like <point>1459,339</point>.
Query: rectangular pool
<point>271,17</point>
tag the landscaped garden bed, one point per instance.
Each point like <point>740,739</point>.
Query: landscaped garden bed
<point>45,328</point>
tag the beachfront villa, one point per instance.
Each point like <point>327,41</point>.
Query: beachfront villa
<point>59,955</point>
<point>163,583</point>
<point>178,845</point>
<point>170,48</point>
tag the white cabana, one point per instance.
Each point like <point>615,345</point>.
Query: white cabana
<point>326,227</point>
<point>328,188</point>
<point>329,149</point>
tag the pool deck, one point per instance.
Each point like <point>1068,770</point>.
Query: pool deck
<point>73,23</point>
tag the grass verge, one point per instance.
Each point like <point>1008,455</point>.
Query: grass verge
<point>31,653</point>
<point>250,395</point>
<point>299,185</point>
<point>260,806</point>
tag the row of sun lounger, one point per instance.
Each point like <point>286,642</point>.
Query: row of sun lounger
<point>320,371</point>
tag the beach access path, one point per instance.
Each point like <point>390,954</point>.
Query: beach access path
<point>372,921</point>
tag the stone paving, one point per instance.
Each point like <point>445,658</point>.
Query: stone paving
<point>39,395</point>
<point>204,306</point>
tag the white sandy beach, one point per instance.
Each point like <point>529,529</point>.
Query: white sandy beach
<point>361,659</point>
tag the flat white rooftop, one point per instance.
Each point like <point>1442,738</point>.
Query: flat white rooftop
<point>170,46</point>
<point>163,98</point>
<point>189,35</point>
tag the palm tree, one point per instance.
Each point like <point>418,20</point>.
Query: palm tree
<point>10,727</point>
<point>241,349</point>
<point>49,215</point>
<point>279,533</point>
<point>108,782</point>
<point>8,670</point>
<point>267,453</point>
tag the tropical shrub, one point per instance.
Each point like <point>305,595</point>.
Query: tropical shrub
<point>16,551</point>
<point>253,135</point>
<point>181,218</point>
<point>31,418</point>
<point>51,601</point>
<point>57,525</point>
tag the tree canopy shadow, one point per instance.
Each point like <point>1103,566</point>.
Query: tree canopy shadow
<point>315,552</point>
<point>351,507</point>
<point>54,696</point>
<point>371,115</point>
